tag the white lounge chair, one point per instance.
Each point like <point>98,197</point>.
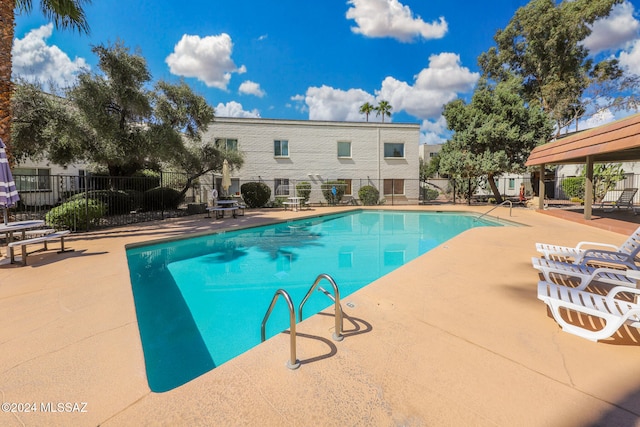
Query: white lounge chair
<point>583,253</point>
<point>586,273</point>
<point>625,200</point>
<point>614,311</point>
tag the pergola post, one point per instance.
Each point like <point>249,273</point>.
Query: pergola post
<point>541,188</point>
<point>588,188</point>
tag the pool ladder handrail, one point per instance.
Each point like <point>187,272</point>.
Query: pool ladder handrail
<point>293,362</point>
<point>337,334</point>
<point>496,207</point>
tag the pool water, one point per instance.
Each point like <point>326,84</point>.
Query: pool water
<point>200,301</point>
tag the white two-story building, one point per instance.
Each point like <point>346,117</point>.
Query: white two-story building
<point>283,153</point>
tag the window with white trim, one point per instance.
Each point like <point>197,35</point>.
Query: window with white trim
<point>281,187</point>
<point>394,149</point>
<point>344,149</point>
<point>347,186</point>
<point>228,144</point>
<point>393,187</point>
<point>281,148</point>
<point>32,179</point>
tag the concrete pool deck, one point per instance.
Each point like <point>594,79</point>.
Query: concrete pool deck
<point>455,337</point>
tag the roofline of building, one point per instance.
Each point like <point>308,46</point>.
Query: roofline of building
<point>292,122</point>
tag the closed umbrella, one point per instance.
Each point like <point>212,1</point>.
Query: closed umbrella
<point>8,193</point>
<point>226,177</point>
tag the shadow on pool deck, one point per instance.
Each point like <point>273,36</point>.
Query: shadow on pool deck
<point>455,337</point>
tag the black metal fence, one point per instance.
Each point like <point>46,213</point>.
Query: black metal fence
<point>93,201</point>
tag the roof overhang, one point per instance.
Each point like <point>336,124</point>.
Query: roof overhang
<point>618,141</point>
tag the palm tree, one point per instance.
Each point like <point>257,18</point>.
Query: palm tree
<point>64,14</point>
<point>383,108</point>
<point>366,109</point>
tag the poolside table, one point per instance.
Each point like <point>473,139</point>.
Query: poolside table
<point>19,226</point>
<point>222,207</point>
<point>294,202</point>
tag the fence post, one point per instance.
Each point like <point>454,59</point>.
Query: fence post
<point>161,196</point>
<point>86,206</point>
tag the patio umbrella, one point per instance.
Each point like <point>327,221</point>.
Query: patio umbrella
<point>8,193</point>
<point>226,177</point>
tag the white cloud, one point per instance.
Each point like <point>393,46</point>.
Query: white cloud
<point>327,103</point>
<point>208,59</point>
<point>630,59</point>
<point>434,131</point>
<point>234,109</point>
<point>600,118</point>
<point>614,31</point>
<point>251,88</point>
<point>390,18</point>
<point>35,61</point>
<point>434,86</point>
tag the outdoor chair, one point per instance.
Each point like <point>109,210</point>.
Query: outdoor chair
<point>585,273</point>
<point>625,200</point>
<point>623,255</point>
<point>614,311</point>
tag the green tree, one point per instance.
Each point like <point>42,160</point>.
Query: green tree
<point>605,178</point>
<point>384,109</point>
<point>65,14</point>
<point>493,134</point>
<point>428,169</point>
<point>366,109</point>
<point>197,159</point>
<point>113,120</point>
<point>542,44</point>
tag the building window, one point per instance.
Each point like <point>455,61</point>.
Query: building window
<point>32,179</point>
<point>432,155</point>
<point>347,186</point>
<point>393,187</point>
<point>393,149</point>
<point>344,149</point>
<point>281,186</point>
<point>512,183</point>
<point>281,148</point>
<point>228,144</point>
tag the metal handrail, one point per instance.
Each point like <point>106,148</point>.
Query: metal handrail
<point>497,206</point>
<point>293,362</point>
<point>337,335</point>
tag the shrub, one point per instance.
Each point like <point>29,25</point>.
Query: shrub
<point>142,180</point>
<point>255,194</point>
<point>573,187</point>
<point>369,195</point>
<point>431,194</point>
<point>304,190</point>
<point>137,199</point>
<point>76,213</point>
<point>328,189</point>
<point>161,198</point>
<point>117,202</point>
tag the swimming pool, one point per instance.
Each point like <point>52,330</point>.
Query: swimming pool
<point>200,301</point>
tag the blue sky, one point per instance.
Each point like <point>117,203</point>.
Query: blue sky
<point>293,59</point>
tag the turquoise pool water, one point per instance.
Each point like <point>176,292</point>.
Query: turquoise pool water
<point>200,301</point>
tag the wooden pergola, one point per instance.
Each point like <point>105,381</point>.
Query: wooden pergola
<point>618,141</point>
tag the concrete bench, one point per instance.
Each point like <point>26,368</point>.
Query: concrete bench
<point>35,240</point>
<point>219,211</point>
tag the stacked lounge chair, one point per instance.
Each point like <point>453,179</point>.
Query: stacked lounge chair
<point>616,266</point>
